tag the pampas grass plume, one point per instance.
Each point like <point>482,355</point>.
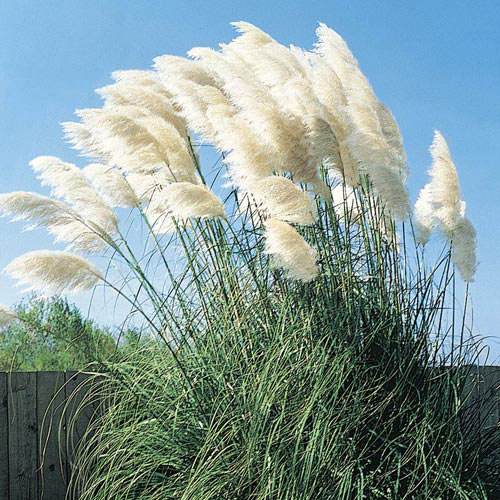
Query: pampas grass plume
<point>53,272</point>
<point>112,185</point>
<point>439,206</point>
<point>289,251</point>
<point>190,200</point>
<point>282,199</point>
<point>69,183</point>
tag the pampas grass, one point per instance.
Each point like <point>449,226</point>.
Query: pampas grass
<point>296,337</point>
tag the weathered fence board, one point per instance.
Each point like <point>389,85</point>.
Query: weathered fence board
<point>482,390</point>
<point>23,439</point>
<point>36,447</point>
<point>53,472</point>
<point>4,438</point>
<point>76,391</point>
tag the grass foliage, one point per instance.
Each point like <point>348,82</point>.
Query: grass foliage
<point>259,387</point>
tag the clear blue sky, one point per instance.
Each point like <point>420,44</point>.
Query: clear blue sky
<point>436,65</point>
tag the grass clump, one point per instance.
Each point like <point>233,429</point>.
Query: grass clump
<point>285,390</point>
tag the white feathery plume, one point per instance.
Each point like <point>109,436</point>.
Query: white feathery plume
<point>145,186</point>
<point>53,272</point>
<point>209,112</point>
<point>174,67</point>
<point>61,220</point>
<point>277,68</point>
<point>289,251</point>
<point>271,62</point>
<point>464,249</point>
<point>129,93</point>
<point>134,140</point>
<point>39,210</point>
<point>7,316</point>
<point>391,131</point>
<point>111,185</point>
<point>114,139</point>
<point>69,183</point>
<point>247,157</point>
<point>440,206</point>
<point>180,164</point>
<point>185,79</point>
<point>159,215</point>
<point>83,140</point>
<point>186,200</point>
<point>331,94</point>
<point>260,110</point>
<point>143,78</point>
<point>251,35</point>
<point>172,204</point>
<point>282,199</point>
<point>81,236</point>
<point>425,217</point>
<point>373,138</point>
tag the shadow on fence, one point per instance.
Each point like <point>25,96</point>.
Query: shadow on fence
<point>38,439</point>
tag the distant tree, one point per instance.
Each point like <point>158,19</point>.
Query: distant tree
<point>52,335</point>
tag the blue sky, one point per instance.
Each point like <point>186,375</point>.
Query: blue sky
<point>435,64</point>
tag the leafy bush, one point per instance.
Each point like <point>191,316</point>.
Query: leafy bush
<point>52,335</point>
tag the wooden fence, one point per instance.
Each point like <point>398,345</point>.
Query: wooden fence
<point>35,442</point>
<point>35,451</point>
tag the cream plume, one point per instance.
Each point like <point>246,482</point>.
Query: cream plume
<point>53,272</point>
<point>133,139</point>
<point>289,251</point>
<point>69,183</point>
<point>440,206</point>
<point>345,204</point>
<point>284,77</point>
<point>282,199</point>
<point>172,204</point>
<point>189,200</point>
<point>111,185</point>
<point>372,136</point>
<point>83,140</point>
<point>40,210</point>
<point>7,316</point>
<point>131,93</point>
<point>145,186</point>
<point>147,79</point>
<point>331,94</point>
<point>159,215</point>
<point>259,109</point>
<point>209,112</point>
<point>61,220</point>
<point>185,79</point>
<point>115,139</point>
<point>464,249</point>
